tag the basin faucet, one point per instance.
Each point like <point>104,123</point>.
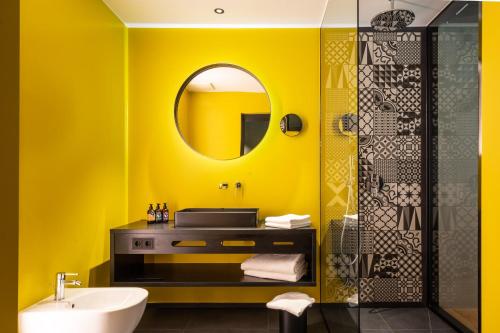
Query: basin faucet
<point>61,282</point>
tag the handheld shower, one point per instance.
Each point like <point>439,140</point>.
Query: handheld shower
<point>348,125</point>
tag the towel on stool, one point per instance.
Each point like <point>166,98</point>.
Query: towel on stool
<point>276,263</point>
<point>292,302</point>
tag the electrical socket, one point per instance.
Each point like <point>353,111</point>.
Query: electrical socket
<point>143,244</point>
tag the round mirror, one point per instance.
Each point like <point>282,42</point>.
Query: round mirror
<point>291,124</point>
<point>222,111</point>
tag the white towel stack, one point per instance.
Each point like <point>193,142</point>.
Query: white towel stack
<point>289,221</point>
<point>284,267</point>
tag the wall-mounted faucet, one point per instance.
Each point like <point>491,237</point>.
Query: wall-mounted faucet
<point>223,186</point>
<point>61,282</point>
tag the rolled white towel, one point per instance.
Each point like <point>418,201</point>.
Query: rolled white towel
<point>289,218</point>
<point>292,302</point>
<point>277,263</point>
<point>288,225</point>
<point>278,276</point>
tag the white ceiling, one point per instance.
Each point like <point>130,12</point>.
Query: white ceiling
<point>225,79</point>
<point>263,13</point>
<point>200,13</point>
<point>341,14</point>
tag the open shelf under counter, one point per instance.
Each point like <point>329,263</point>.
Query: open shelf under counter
<point>184,275</point>
<point>130,244</point>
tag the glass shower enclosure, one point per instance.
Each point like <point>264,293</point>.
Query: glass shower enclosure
<point>339,167</point>
<point>400,157</point>
<point>454,159</point>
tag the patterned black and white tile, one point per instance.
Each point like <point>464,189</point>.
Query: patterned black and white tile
<point>390,166</point>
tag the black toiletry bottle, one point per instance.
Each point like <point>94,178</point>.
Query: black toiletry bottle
<point>151,214</point>
<point>158,213</point>
<point>164,213</point>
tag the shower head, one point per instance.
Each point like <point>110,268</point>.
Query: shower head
<point>392,20</point>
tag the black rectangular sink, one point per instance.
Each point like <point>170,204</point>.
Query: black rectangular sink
<point>217,218</point>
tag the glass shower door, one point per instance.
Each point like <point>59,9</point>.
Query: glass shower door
<point>339,168</point>
<point>454,164</point>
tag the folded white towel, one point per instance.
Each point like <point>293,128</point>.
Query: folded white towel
<point>289,218</point>
<point>288,225</point>
<point>276,276</point>
<point>277,263</point>
<point>292,302</point>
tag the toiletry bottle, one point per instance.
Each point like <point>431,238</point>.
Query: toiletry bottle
<point>164,213</point>
<point>151,214</point>
<point>158,213</point>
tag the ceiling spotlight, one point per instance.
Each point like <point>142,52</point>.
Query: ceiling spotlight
<point>219,11</point>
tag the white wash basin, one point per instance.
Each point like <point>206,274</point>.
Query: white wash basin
<point>86,310</point>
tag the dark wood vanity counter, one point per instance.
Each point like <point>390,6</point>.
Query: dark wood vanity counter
<point>131,242</point>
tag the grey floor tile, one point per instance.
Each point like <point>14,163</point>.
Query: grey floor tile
<point>254,319</point>
<point>259,320</point>
<point>437,323</point>
<point>156,318</point>
<point>341,320</point>
<point>371,319</point>
<point>406,318</point>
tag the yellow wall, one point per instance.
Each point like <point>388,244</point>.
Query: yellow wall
<point>163,168</point>
<point>9,161</point>
<point>72,140</point>
<point>490,169</point>
<point>213,120</point>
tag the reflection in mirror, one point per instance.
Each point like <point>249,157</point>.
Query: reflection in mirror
<point>222,111</point>
<point>291,124</point>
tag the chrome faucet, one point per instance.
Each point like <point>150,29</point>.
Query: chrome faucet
<point>61,282</point>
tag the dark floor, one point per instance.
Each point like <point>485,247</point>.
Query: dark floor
<point>401,320</point>
<point>214,320</point>
<point>385,320</point>
<point>159,319</point>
